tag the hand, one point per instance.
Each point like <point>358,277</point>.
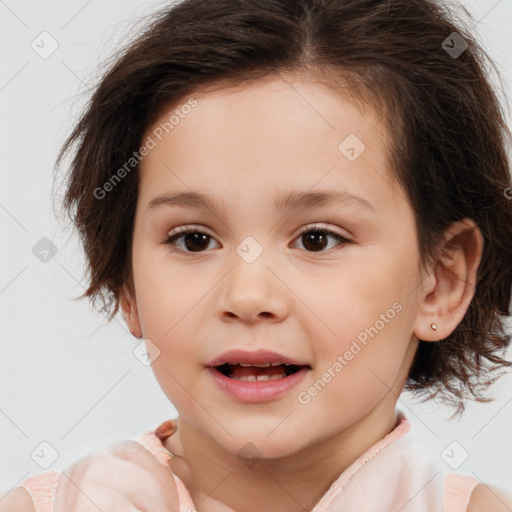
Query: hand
<point>122,478</point>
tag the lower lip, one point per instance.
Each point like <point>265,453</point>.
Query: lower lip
<point>262,391</point>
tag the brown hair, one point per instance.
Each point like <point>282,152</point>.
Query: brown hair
<point>444,121</point>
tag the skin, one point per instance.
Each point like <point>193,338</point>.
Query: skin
<point>247,145</point>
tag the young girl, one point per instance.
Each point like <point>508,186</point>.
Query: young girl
<point>302,208</point>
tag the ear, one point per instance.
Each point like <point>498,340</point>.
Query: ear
<point>130,312</point>
<point>449,288</point>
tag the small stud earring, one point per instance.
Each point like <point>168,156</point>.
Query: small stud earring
<point>433,326</point>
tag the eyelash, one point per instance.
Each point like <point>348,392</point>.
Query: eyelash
<point>184,230</point>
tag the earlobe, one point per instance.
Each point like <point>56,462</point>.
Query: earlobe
<point>130,312</point>
<point>447,295</point>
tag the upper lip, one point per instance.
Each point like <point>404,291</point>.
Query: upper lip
<point>254,357</point>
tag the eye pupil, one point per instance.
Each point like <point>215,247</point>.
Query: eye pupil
<point>313,237</point>
<point>196,237</point>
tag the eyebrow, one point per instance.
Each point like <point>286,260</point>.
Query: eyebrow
<point>293,200</point>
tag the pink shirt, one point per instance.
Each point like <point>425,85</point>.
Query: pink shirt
<point>392,475</point>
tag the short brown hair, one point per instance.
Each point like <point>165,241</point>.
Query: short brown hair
<point>407,58</point>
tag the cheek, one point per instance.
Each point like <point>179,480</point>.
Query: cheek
<point>172,313</point>
<point>365,353</point>
<point>168,296</point>
<point>174,380</point>
<point>357,375</point>
<point>367,317</point>
<point>343,303</point>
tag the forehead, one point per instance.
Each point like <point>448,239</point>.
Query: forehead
<point>282,130</point>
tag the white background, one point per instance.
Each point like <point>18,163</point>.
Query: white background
<point>66,377</point>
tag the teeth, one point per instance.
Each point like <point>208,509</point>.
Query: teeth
<point>253,378</point>
<point>261,365</point>
<point>258,365</point>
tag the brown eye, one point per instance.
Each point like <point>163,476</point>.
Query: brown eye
<point>316,240</point>
<point>194,241</point>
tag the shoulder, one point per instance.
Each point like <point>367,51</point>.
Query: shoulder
<point>488,498</point>
<point>18,500</point>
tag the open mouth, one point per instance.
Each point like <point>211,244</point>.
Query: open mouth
<point>258,372</point>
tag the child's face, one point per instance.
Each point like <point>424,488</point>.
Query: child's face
<point>307,298</point>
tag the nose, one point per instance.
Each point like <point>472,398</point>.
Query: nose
<point>252,292</point>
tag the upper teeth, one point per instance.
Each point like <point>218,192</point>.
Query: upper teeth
<point>261,365</point>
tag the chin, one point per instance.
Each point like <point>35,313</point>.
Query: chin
<point>252,448</point>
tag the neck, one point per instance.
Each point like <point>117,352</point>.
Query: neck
<point>217,482</point>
